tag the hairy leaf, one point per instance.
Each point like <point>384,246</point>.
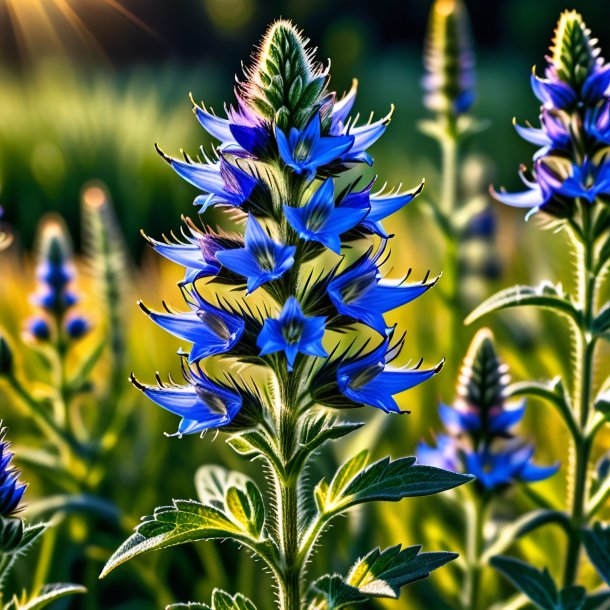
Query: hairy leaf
<point>379,574</point>
<point>355,483</point>
<point>221,600</point>
<point>47,595</point>
<point>184,521</point>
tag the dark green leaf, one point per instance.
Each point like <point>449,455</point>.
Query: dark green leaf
<point>537,586</point>
<point>384,480</point>
<point>597,544</point>
<point>379,574</point>
<point>572,598</point>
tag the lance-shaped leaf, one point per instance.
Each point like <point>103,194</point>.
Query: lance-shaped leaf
<point>545,295</point>
<point>46,596</point>
<point>537,585</point>
<point>187,521</point>
<point>379,574</point>
<point>221,600</point>
<point>355,482</point>
<point>597,543</point>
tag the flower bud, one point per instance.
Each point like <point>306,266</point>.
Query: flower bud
<point>573,50</point>
<point>285,85</point>
<point>449,59</point>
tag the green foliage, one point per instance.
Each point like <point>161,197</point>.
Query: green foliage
<point>545,295</point>
<point>378,574</point>
<point>356,483</point>
<point>48,595</point>
<point>597,543</point>
<point>221,600</point>
<point>191,521</point>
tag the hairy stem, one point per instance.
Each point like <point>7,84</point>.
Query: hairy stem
<point>287,518</point>
<point>476,515</point>
<point>585,353</point>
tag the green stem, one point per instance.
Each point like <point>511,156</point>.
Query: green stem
<point>449,195</point>
<point>585,353</point>
<point>475,542</point>
<point>288,511</point>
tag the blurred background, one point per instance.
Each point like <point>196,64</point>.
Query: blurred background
<point>87,87</point>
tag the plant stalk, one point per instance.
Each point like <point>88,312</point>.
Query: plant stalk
<point>585,354</point>
<point>476,516</point>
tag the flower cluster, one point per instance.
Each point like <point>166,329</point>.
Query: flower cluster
<point>280,149</point>
<point>11,489</point>
<point>574,134</point>
<point>54,296</point>
<point>479,425</point>
<point>449,59</point>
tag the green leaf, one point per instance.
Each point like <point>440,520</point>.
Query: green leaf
<point>572,598</point>
<point>234,494</point>
<point>221,600</point>
<point>537,586</point>
<point>546,295</point>
<point>601,324</point>
<point>598,601</point>
<point>48,595</point>
<point>511,532</point>
<point>384,480</point>
<point>597,544</point>
<point>379,574</point>
<point>184,521</point>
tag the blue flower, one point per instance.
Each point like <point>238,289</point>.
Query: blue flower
<point>495,469</point>
<point>465,418</point>
<point>261,259</point>
<point>574,134</point>
<point>597,122</point>
<point>221,182</point>
<point>480,424</point>
<point>202,404</point>
<point>210,329</point>
<point>363,136</point>
<point>11,490</point>
<point>305,151</point>
<point>380,205</point>
<point>54,294</point>
<point>77,326</point>
<point>196,251</point>
<point>241,134</point>
<point>361,294</point>
<point>292,333</point>
<point>368,380</point>
<point>444,455</point>
<point>319,220</point>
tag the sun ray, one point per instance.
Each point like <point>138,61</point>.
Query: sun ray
<point>40,25</point>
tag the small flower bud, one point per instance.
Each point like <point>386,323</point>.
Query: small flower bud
<point>449,59</point>
<point>39,329</point>
<point>77,327</point>
<point>285,84</point>
<point>573,50</point>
